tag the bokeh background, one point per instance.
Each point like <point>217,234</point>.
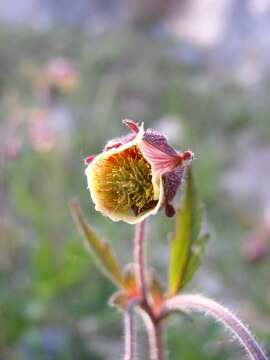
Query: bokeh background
<point>199,70</point>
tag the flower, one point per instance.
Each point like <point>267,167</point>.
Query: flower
<point>61,74</point>
<point>42,135</point>
<point>136,175</point>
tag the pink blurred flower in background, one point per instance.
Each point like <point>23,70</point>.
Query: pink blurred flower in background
<point>61,74</point>
<point>42,136</point>
<point>11,140</point>
<point>256,246</point>
<point>12,129</point>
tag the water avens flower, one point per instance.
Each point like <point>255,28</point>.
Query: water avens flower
<point>136,175</point>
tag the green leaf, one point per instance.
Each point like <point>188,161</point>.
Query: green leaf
<point>100,249</point>
<point>195,260</point>
<point>187,245</point>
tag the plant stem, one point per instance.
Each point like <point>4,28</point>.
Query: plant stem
<point>152,325</point>
<point>130,350</point>
<point>154,334</point>
<point>139,260</point>
<point>220,313</point>
<point>156,352</point>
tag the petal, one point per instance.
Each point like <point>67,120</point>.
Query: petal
<point>159,141</point>
<point>160,154</point>
<point>166,162</point>
<point>157,151</point>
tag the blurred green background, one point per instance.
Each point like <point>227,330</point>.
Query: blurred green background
<point>69,72</point>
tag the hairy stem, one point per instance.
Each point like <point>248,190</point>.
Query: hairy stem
<point>139,259</point>
<point>152,325</point>
<point>130,350</point>
<point>225,316</point>
<point>140,268</point>
<point>154,336</point>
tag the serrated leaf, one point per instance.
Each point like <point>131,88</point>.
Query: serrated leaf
<point>187,245</point>
<point>100,249</point>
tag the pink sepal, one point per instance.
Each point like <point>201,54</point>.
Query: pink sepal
<point>132,125</point>
<point>115,143</point>
<point>89,159</point>
<point>171,182</point>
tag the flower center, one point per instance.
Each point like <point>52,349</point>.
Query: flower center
<point>124,182</point>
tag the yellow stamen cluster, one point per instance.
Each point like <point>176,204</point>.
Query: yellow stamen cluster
<point>123,182</point>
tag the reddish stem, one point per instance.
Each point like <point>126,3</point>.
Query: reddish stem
<point>154,334</point>
<point>155,339</point>
<point>200,303</point>
<point>130,350</point>
<point>151,322</point>
<point>139,260</point>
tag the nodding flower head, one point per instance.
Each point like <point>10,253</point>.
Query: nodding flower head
<point>136,175</point>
